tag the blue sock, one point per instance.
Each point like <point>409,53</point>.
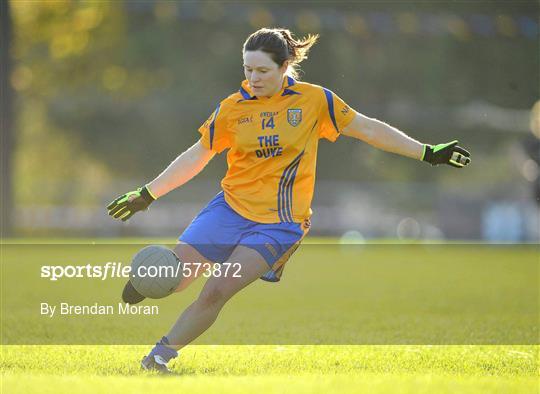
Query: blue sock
<point>166,353</point>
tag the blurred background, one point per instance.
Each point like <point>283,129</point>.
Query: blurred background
<point>99,97</point>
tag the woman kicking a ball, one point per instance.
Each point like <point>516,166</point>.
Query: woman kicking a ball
<point>271,127</point>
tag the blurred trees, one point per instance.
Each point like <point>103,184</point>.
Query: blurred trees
<point>6,122</point>
<point>111,91</point>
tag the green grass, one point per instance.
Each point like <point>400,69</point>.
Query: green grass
<point>330,294</point>
<point>295,369</point>
<point>463,295</point>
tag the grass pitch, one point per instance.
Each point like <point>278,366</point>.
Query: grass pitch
<point>275,369</point>
<point>306,368</point>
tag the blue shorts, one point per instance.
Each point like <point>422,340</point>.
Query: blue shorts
<point>218,230</point>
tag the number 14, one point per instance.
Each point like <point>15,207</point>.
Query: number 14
<point>268,124</point>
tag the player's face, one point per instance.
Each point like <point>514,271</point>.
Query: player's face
<point>263,74</point>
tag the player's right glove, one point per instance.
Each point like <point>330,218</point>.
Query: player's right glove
<point>126,205</point>
<point>449,153</point>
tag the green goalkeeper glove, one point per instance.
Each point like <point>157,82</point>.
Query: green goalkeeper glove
<point>448,153</point>
<point>126,205</point>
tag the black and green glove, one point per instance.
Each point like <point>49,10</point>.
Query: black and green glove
<point>126,205</point>
<point>449,153</point>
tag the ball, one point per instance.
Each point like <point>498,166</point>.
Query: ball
<point>155,271</point>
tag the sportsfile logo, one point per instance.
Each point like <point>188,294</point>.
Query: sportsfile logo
<point>99,271</point>
<point>111,270</point>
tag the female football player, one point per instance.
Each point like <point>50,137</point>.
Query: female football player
<point>271,128</point>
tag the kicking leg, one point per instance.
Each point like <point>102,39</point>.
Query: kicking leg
<point>187,254</point>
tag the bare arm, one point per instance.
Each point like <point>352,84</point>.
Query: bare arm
<point>383,136</point>
<point>181,170</point>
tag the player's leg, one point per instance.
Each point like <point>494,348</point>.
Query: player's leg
<point>187,254</point>
<point>202,313</point>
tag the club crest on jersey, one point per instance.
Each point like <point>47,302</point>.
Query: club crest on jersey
<point>294,116</point>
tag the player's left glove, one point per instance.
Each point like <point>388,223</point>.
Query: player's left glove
<point>126,205</point>
<point>449,153</point>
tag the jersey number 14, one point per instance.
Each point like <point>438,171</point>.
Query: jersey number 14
<point>268,123</point>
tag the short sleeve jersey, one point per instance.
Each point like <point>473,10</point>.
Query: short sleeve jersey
<point>272,146</point>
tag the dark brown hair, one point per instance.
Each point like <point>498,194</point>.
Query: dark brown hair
<point>281,46</point>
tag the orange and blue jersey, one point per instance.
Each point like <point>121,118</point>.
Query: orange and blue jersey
<point>272,146</point>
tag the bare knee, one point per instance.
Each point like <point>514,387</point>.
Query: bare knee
<point>187,254</point>
<point>213,297</point>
